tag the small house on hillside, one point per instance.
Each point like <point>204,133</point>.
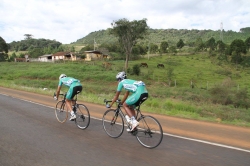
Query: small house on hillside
<point>57,57</point>
<point>45,58</point>
<point>25,59</point>
<point>63,56</point>
<point>95,55</point>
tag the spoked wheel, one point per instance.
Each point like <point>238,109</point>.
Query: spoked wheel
<point>149,132</point>
<point>61,113</point>
<point>113,123</point>
<point>82,116</point>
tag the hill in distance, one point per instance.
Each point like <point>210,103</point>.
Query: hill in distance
<point>172,36</point>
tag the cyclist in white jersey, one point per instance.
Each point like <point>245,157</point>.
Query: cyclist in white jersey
<point>74,87</point>
<point>139,95</point>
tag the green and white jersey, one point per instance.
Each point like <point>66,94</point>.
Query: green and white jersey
<point>132,86</point>
<point>68,81</point>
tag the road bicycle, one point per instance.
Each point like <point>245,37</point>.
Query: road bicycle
<point>82,113</point>
<point>149,133</point>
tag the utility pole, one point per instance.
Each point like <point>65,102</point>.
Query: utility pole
<point>148,49</point>
<point>94,44</point>
<point>221,31</point>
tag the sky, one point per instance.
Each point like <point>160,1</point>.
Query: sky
<point>67,21</point>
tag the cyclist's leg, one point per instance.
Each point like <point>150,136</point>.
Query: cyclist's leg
<point>76,89</point>
<point>143,97</point>
<point>69,98</point>
<point>133,101</point>
<point>128,104</point>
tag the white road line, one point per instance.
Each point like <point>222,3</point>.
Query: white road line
<point>171,135</point>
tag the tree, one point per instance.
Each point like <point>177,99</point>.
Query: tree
<point>180,44</point>
<point>72,49</point>
<point>247,42</point>
<point>3,50</point>
<point>128,33</point>
<point>138,50</point>
<point>164,46</point>
<point>153,48</point>
<point>3,46</point>
<point>237,47</point>
<point>28,36</point>
<point>221,47</point>
<point>199,45</point>
<point>87,48</point>
<point>12,57</point>
<point>172,49</point>
<point>211,44</point>
<point>36,52</point>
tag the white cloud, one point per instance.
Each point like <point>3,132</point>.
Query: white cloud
<point>69,20</point>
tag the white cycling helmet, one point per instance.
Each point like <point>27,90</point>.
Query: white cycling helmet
<point>61,76</point>
<point>120,76</point>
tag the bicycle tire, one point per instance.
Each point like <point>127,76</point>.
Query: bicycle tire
<point>113,123</point>
<point>82,116</point>
<point>61,113</point>
<point>149,133</point>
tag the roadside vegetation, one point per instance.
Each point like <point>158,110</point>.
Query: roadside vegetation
<point>192,86</point>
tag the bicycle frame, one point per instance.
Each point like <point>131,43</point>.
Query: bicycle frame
<point>119,110</point>
<point>73,101</point>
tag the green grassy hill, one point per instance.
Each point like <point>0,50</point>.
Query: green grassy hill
<point>172,36</point>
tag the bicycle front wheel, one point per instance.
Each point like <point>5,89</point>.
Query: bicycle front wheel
<point>82,117</point>
<point>149,132</point>
<point>113,123</point>
<point>61,113</point>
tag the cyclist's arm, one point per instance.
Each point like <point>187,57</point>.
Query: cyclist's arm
<point>58,91</point>
<point>125,97</point>
<point>115,98</point>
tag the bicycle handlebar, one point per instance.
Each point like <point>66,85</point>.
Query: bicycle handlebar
<point>108,101</point>
<point>59,94</point>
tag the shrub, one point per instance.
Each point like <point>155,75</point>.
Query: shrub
<point>136,69</point>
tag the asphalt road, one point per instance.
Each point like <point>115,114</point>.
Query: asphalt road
<point>31,135</point>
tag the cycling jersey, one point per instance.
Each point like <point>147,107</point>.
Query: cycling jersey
<point>138,89</point>
<point>68,81</point>
<point>73,84</point>
<point>132,86</point>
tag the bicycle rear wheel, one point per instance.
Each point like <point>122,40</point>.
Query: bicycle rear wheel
<point>61,113</point>
<point>82,116</point>
<point>149,132</point>
<point>113,123</point>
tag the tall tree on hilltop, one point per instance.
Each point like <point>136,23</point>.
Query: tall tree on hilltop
<point>28,36</point>
<point>128,33</point>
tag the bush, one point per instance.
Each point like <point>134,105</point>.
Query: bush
<point>136,69</point>
<point>221,95</point>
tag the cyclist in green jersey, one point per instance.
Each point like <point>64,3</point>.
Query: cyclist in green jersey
<point>139,95</point>
<point>74,87</point>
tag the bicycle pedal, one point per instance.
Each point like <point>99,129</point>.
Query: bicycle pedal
<point>133,131</point>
